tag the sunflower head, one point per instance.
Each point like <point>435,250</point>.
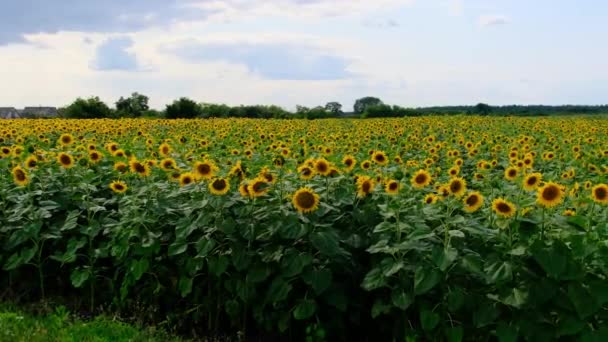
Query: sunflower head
<point>121,167</point>
<point>141,169</point>
<point>511,173</point>
<point>391,187</point>
<point>168,164</point>
<point>599,194</point>
<point>186,178</point>
<point>305,200</point>
<point>118,186</point>
<point>322,167</point>
<point>421,179</point>
<point>457,186</point>
<point>532,181</point>
<point>503,208</point>
<point>258,187</point>
<point>473,201</point>
<point>66,139</point>
<point>430,199</point>
<point>31,162</point>
<point>219,186</point>
<point>380,158</point>
<point>65,160</point>
<point>205,169</point>
<point>20,176</point>
<point>550,195</point>
<point>365,186</point>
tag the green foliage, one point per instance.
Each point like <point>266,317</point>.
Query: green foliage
<point>133,107</point>
<point>363,103</point>
<point>59,326</point>
<point>91,108</point>
<point>183,108</point>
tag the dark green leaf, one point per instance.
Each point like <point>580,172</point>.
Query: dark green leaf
<point>425,279</point>
<point>79,276</point>
<point>305,309</point>
<point>428,319</point>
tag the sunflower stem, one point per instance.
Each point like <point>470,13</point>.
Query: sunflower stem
<point>542,225</point>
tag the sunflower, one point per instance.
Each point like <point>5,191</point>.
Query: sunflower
<point>365,186</point>
<point>244,189</point>
<point>503,208</point>
<point>219,186</point>
<point>454,171</point>
<point>391,187</point>
<point>119,153</point>
<point>31,162</point>
<point>237,171</point>
<point>569,212</point>
<point>20,176</point>
<point>269,176</point>
<point>430,199</point>
<point>349,163</point>
<point>306,172</point>
<point>118,186</point>
<point>473,201</point>
<point>142,169</point>
<point>599,194</point>
<point>5,150</point>
<point>95,156</point>
<point>322,167</point>
<point>66,139</point>
<point>366,164</point>
<point>120,167</point>
<point>457,186</point>
<point>380,158</point>
<point>305,200</point>
<point>550,195</point>
<point>258,187</point>
<point>164,149</point>
<point>186,178</point>
<point>532,181</point>
<point>421,179</point>
<point>205,169</point>
<point>511,173</point>
<point>168,164</point>
<point>65,160</point>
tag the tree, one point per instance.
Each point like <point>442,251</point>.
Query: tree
<point>91,108</point>
<point>134,106</point>
<point>335,108</point>
<point>212,110</point>
<point>362,103</point>
<point>183,108</point>
<point>482,109</point>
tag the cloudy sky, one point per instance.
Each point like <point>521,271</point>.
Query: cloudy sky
<point>307,52</point>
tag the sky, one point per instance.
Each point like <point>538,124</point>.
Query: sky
<point>305,52</point>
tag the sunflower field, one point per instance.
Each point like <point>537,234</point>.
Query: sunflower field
<point>427,228</point>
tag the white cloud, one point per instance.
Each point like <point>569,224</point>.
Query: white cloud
<point>493,20</point>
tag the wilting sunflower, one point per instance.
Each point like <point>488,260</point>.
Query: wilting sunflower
<point>473,201</point>
<point>186,178</point>
<point>306,172</point>
<point>365,186</point>
<point>205,169</point>
<point>457,186</point>
<point>20,176</point>
<point>532,181</point>
<point>391,187</point>
<point>121,167</point>
<point>349,163</point>
<point>421,179</point>
<point>118,186</point>
<point>65,160</point>
<point>322,167</point>
<point>95,156</point>
<point>511,173</point>
<point>380,158</point>
<point>550,195</point>
<point>599,194</point>
<point>31,162</point>
<point>168,164</point>
<point>305,200</point>
<point>142,169</point>
<point>503,207</point>
<point>66,139</point>
<point>219,186</point>
<point>258,187</point>
<point>430,199</point>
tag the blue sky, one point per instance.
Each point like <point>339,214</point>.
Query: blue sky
<point>307,52</point>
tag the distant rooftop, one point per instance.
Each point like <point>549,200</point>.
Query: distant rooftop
<point>27,112</point>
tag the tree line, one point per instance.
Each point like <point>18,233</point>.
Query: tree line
<point>136,106</point>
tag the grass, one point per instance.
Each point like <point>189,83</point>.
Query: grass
<point>17,326</point>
